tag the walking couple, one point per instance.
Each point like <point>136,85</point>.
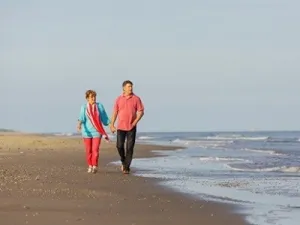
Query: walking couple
<point>128,109</point>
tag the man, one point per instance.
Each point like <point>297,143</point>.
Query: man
<point>129,110</point>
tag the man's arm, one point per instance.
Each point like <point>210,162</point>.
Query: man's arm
<point>140,112</point>
<point>113,118</point>
<point>139,116</point>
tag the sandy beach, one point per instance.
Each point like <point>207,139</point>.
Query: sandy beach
<point>43,180</point>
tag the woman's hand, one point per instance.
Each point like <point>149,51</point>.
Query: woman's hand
<point>79,127</point>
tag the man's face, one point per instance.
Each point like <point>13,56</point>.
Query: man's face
<point>91,99</point>
<point>128,89</point>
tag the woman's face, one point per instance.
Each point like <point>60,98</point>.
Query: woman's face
<point>91,99</point>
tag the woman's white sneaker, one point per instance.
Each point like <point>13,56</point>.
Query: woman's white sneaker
<point>90,169</point>
<point>94,169</point>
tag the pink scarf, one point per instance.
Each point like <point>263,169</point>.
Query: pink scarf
<point>93,114</point>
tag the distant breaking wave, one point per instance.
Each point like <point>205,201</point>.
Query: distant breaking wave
<point>206,159</point>
<point>284,169</point>
<point>236,137</point>
<point>66,134</point>
<point>290,140</point>
<point>202,143</point>
<point>262,138</point>
<point>146,138</point>
<point>218,139</point>
<point>264,151</point>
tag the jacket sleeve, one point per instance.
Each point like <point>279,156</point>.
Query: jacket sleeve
<point>82,116</point>
<point>104,118</point>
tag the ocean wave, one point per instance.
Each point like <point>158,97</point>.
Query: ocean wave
<point>237,137</point>
<point>66,134</point>
<point>221,159</point>
<point>271,152</point>
<point>284,169</point>
<point>76,135</point>
<point>283,140</point>
<point>145,138</point>
<point>201,143</point>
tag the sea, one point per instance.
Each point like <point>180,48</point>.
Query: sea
<point>257,171</point>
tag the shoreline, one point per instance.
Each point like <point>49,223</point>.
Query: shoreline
<point>44,177</point>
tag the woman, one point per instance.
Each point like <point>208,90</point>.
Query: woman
<point>92,116</point>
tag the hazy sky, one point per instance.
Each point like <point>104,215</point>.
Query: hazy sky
<point>197,65</point>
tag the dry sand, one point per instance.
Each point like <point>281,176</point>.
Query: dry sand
<point>43,181</point>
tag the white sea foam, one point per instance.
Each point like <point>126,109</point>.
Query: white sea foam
<point>145,138</point>
<point>202,143</point>
<point>236,137</point>
<point>263,151</point>
<point>284,169</point>
<point>221,159</point>
<point>66,134</point>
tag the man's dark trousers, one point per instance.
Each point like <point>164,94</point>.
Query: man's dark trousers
<point>126,156</point>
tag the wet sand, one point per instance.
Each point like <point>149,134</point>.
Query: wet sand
<point>43,181</point>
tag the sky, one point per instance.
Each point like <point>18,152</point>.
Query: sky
<point>197,65</point>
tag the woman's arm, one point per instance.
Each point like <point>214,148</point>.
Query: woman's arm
<point>81,118</point>
<point>103,115</point>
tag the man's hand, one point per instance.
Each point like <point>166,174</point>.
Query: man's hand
<point>113,120</point>
<point>112,128</point>
<point>133,124</point>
